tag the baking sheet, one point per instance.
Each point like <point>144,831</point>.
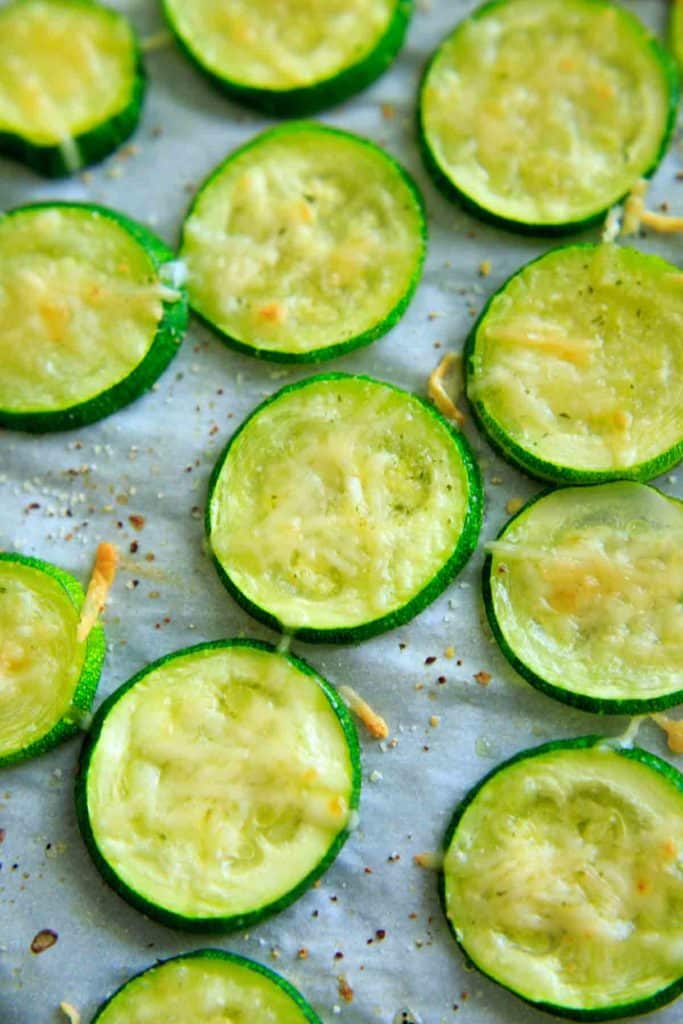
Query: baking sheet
<point>61,494</point>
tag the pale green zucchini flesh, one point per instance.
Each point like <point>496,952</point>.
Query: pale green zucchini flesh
<point>218,784</point>
<point>584,592</point>
<point>561,879</point>
<point>306,243</point>
<point>48,677</point>
<point>541,114</point>
<point>573,367</point>
<point>341,508</point>
<point>677,31</point>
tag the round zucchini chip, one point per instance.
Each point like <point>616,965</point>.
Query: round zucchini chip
<point>341,508</point>
<point>71,83</point>
<point>90,314</point>
<point>290,58</point>
<point>583,591</point>
<point>561,879</point>
<point>218,784</point>
<point>204,986</point>
<point>573,367</point>
<point>304,244</point>
<point>539,115</point>
<point>48,676</point>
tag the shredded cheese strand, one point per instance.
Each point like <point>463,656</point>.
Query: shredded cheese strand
<point>635,214</point>
<point>104,571</point>
<point>674,731</point>
<point>373,722</point>
<point>450,366</point>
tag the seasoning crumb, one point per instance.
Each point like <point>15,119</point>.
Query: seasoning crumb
<point>339,955</point>
<point>513,505</point>
<point>483,678</point>
<point>449,652</point>
<point>388,110</point>
<point>71,1013</point>
<point>429,861</point>
<point>434,721</point>
<point>430,660</point>
<point>484,268</point>
<point>302,953</point>
<point>136,521</point>
<point>381,934</point>
<point>43,940</point>
<point>3,833</point>
<point>345,990</point>
<point>275,953</point>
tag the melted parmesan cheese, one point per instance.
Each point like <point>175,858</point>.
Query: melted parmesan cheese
<point>338,503</point>
<point>546,112</point>
<point>219,782</point>
<point>563,880</point>
<point>579,358</point>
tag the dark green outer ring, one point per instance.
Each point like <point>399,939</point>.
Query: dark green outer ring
<point>230,922</point>
<point>644,757</point>
<point>451,191</point>
<point>390,319</point>
<point>308,99</point>
<point>466,544</point>
<point>169,334</point>
<point>93,658</point>
<point>585,702</point>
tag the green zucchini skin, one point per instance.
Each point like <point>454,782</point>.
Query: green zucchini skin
<point>357,634</point>
<point>212,925</point>
<point>637,754</point>
<point>310,99</point>
<point>543,230</point>
<point>169,335</point>
<point>84,693</point>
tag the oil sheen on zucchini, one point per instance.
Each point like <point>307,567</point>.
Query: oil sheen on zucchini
<point>341,508</point>
<point>541,114</point>
<point>48,677</point>
<point>562,882</point>
<point>305,243</point>
<point>290,57</point>
<point>583,590</point>
<point>209,987</point>
<point>71,83</point>
<point>89,314</point>
<point>573,368</point>
<point>218,784</point>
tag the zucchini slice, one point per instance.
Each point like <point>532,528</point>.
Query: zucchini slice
<point>583,589</point>
<point>573,368</point>
<point>562,881</point>
<point>71,83</point>
<point>218,784</point>
<point>304,244</point>
<point>89,314</point>
<point>290,58</point>
<point>206,986</point>
<point>541,114</point>
<point>48,677</point>
<point>341,508</point>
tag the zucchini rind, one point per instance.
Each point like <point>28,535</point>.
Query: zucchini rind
<point>541,114</point>
<point>341,508</point>
<point>304,244</point>
<point>71,83</point>
<point>583,592</point>
<point>573,368</point>
<point>218,784</point>
<point>90,314</point>
<point>48,676</point>
<point>561,879</point>
<point>204,986</point>
<point>290,58</point>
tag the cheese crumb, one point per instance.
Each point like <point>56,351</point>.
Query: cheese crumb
<point>674,731</point>
<point>429,861</point>
<point>71,1013</point>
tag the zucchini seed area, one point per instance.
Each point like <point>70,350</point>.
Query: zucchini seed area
<point>281,45</point>
<point>563,883</point>
<point>576,360</point>
<point>218,782</point>
<point>80,302</point>
<point>338,503</point>
<point>305,239</point>
<point>65,67</point>
<point>546,111</point>
<point>587,590</point>
<point>40,657</point>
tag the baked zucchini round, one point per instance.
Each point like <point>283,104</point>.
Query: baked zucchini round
<point>541,114</point>
<point>572,367</point>
<point>304,244</point>
<point>290,58</point>
<point>89,314</point>
<point>583,591</point>
<point>561,879</point>
<point>71,83</point>
<point>341,508</point>
<point>48,676</point>
<point>218,784</point>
